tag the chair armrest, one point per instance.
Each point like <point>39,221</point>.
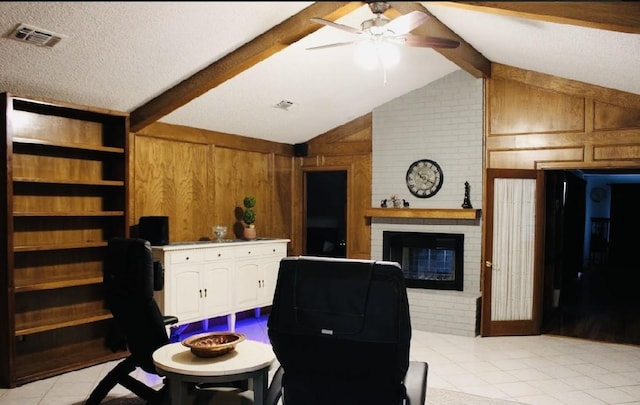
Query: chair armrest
<point>415,382</point>
<point>169,319</point>
<point>158,276</point>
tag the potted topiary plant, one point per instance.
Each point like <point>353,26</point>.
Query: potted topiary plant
<point>249,217</point>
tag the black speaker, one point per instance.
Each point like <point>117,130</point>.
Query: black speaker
<point>154,229</point>
<point>300,149</point>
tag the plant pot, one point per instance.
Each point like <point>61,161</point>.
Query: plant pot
<point>249,233</point>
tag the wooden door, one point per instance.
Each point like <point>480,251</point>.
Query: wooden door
<point>513,251</point>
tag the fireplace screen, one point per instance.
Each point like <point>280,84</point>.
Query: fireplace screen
<point>428,260</point>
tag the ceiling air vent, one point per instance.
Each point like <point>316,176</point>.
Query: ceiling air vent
<point>285,105</point>
<point>35,36</point>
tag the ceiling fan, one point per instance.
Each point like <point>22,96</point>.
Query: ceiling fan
<point>380,28</point>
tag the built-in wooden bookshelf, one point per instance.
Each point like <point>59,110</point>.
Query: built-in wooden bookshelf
<point>64,169</point>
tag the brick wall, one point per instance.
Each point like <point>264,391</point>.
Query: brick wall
<point>442,122</point>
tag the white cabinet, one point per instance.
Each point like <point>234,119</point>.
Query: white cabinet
<point>204,280</point>
<point>185,281</point>
<point>255,274</point>
<point>215,293</point>
<point>196,282</point>
<point>247,283</point>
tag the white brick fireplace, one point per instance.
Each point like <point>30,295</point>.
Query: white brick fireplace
<point>442,122</point>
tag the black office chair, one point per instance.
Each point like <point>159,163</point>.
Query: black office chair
<point>341,330</point>
<point>130,278</point>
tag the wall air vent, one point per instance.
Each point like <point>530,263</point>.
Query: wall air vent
<point>36,36</point>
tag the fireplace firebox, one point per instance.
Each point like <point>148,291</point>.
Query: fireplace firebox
<point>428,260</point>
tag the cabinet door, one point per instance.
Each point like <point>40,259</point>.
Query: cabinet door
<point>268,280</point>
<point>186,291</point>
<point>246,279</point>
<point>216,280</point>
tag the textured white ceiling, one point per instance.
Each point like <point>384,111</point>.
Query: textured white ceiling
<point>605,58</point>
<point>119,55</point>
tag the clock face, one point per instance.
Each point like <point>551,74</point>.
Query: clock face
<point>424,178</point>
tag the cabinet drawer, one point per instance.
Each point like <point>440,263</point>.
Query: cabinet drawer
<point>191,256</point>
<point>218,254</point>
<point>261,250</point>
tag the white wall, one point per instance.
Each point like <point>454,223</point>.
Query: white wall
<point>442,122</point>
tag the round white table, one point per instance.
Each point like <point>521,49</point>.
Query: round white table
<point>250,360</point>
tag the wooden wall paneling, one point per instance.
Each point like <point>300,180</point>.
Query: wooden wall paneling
<point>520,109</point>
<point>617,152</point>
<point>542,121</point>
<point>232,167</point>
<point>191,198</point>
<point>360,227</point>
<point>528,159</point>
<point>608,116</point>
<point>149,168</point>
<point>296,246</point>
<point>219,139</point>
<point>170,181</point>
<point>240,174</point>
<point>566,86</point>
<point>282,195</point>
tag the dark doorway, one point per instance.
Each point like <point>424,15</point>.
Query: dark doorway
<point>596,299</point>
<point>326,205</point>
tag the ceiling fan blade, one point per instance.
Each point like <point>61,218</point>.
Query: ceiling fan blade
<point>332,45</point>
<point>336,25</point>
<point>427,42</point>
<point>407,22</point>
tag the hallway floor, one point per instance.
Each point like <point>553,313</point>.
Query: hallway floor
<point>598,307</point>
<point>545,370</point>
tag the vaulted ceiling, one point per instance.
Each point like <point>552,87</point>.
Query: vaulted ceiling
<point>223,66</point>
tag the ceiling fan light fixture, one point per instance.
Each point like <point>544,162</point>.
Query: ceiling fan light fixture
<point>376,26</point>
<point>374,53</point>
<point>378,7</point>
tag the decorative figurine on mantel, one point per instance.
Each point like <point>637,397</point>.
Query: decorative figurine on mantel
<point>467,202</point>
<point>396,202</point>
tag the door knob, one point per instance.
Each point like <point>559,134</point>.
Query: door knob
<point>488,264</point>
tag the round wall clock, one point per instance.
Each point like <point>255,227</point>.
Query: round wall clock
<point>424,178</point>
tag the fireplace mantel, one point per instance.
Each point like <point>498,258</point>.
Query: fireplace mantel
<point>430,213</point>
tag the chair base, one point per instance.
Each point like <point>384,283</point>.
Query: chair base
<point>120,375</point>
<point>415,383</point>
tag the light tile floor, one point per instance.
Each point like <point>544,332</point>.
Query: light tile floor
<point>545,370</point>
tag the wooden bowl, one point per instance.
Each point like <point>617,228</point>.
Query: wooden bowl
<point>213,344</point>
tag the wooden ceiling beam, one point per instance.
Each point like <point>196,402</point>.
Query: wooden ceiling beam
<point>251,53</point>
<point>465,56</point>
<point>621,16</point>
